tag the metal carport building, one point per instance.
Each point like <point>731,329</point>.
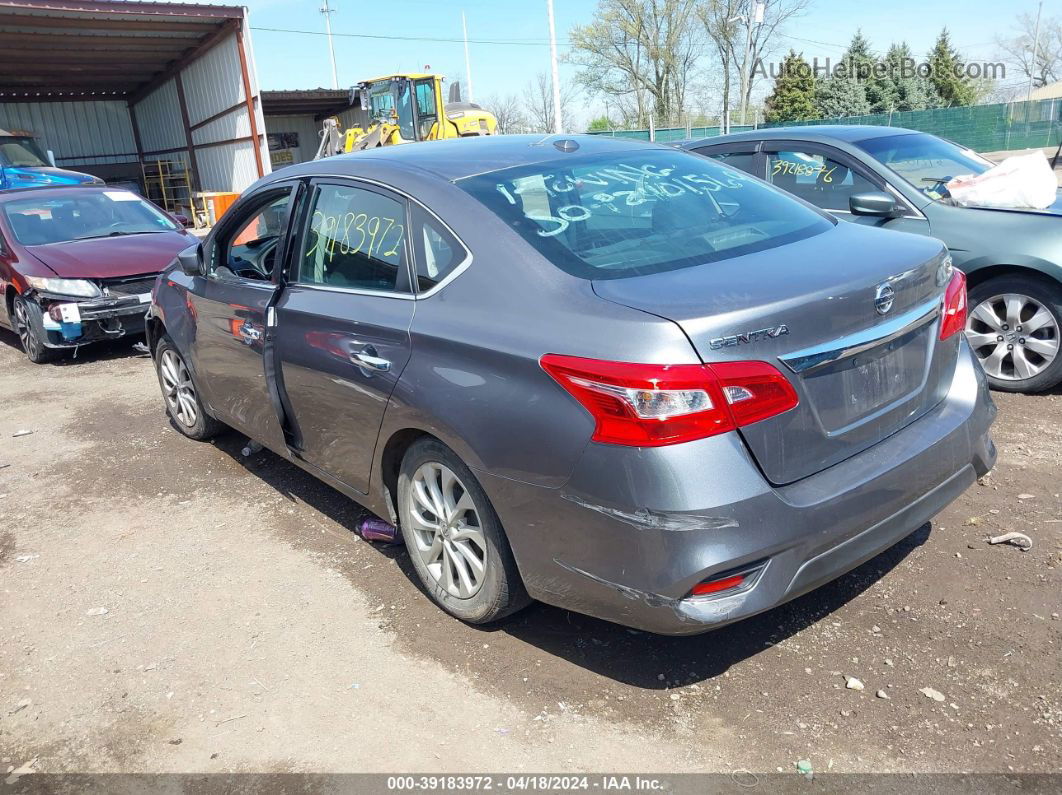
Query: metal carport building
<point>128,90</point>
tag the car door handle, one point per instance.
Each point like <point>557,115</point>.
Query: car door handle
<point>374,362</point>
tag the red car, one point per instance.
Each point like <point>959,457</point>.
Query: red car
<point>77,264</point>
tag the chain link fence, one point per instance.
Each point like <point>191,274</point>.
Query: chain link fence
<point>985,128</point>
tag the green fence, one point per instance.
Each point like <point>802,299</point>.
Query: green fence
<point>986,128</point>
<point>666,135</point>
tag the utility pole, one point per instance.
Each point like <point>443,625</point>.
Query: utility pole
<point>558,124</point>
<point>468,63</point>
<point>328,11</point>
<point>1036,49</point>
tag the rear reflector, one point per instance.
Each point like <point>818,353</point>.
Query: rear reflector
<point>650,405</point>
<point>715,586</point>
<point>953,311</point>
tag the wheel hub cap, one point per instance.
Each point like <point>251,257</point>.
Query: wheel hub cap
<point>447,531</point>
<point>1014,336</point>
<point>178,389</point>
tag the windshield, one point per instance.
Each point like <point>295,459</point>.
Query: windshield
<point>21,151</point>
<point>40,220</point>
<point>389,99</point>
<point>641,212</point>
<point>927,162</point>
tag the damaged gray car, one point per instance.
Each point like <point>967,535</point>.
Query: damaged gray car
<point>614,377</point>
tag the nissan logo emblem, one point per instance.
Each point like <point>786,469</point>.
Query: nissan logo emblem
<point>883,298</point>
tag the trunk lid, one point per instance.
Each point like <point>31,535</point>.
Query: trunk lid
<point>816,310</point>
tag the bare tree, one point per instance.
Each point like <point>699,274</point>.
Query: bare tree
<point>538,104</point>
<point>508,111</point>
<point>1018,50</point>
<point>643,50</point>
<point>732,23</point>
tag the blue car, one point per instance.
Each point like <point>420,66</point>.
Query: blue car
<point>895,179</point>
<point>24,165</point>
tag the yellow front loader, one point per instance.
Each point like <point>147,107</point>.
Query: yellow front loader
<point>405,108</point>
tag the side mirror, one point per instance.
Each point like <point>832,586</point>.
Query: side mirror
<point>191,260</point>
<point>876,203</point>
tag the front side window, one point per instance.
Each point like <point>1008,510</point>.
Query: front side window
<point>640,212</point>
<point>927,162</point>
<point>39,220</point>
<point>816,178</point>
<point>249,251</point>
<point>356,240</point>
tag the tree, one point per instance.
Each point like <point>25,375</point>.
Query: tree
<point>600,124</point>
<point>507,110</point>
<point>726,22</point>
<point>840,96</point>
<point>906,88</point>
<point>860,63</point>
<point>1018,49</point>
<point>538,104</point>
<point>644,48</point>
<point>947,73</point>
<point>794,91</point>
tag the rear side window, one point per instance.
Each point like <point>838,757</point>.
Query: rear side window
<point>356,240</point>
<point>640,212</point>
<point>743,160</point>
<point>438,252</point>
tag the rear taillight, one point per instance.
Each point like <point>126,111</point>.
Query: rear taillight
<point>953,311</point>
<point>650,405</point>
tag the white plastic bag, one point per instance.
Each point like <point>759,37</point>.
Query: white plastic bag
<point>1019,182</point>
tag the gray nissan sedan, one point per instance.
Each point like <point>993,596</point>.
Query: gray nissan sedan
<point>611,376</point>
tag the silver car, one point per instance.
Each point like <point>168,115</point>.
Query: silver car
<point>614,377</point>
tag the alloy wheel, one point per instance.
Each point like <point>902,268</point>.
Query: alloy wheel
<point>178,388</point>
<point>1014,336</point>
<point>447,530</point>
<point>30,344</point>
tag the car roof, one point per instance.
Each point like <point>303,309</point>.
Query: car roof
<point>850,133</point>
<point>457,158</point>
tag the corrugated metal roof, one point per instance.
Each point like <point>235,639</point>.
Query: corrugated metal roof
<point>87,49</point>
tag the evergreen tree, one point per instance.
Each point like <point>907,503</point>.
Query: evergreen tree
<point>907,90</point>
<point>860,63</point>
<point>794,91</point>
<point>946,73</point>
<point>858,60</point>
<point>840,96</point>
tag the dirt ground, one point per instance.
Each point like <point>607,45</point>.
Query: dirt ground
<point>167,606</point>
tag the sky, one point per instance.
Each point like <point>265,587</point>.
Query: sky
<point>509,39</point>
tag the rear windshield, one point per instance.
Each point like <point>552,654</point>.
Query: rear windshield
<point>641,212</point>
<point>40,220</point>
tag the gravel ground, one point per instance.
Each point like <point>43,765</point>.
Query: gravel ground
<point>169,606</point>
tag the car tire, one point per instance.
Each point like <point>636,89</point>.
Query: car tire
<point>181,394</point>
<point>445,549</point>
<point>1006,348</point>
<point>28,325</point>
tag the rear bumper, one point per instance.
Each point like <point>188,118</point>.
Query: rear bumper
<point>634,530</point>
